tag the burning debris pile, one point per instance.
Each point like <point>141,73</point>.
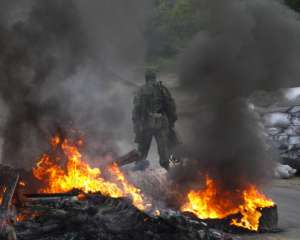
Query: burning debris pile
<point>64,169</point>
<point>247,45</point>
<point>72,200</point>
<point>76,201</point>
<point>99,217</point>
<point>214,203</point>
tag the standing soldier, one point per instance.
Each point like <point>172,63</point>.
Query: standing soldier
<point>154,115</point>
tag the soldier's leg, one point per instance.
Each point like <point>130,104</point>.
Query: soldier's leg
<point>144,144</point>
<point>161,138</point>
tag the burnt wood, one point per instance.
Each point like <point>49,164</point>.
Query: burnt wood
<point>131,157</point>
<point>267,223</point>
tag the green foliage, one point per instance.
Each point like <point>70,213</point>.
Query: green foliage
<point>172,25</point>
<point>294,4</point>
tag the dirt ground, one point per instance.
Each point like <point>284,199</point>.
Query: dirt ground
<point>286,193</point>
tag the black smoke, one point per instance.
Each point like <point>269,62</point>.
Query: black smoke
<point>37,53</point>
<point>246,46</point>
<point>68,64</point>
<point>103,101</point>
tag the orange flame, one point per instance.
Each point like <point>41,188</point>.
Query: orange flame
<point>2,191</point>
<point>212,203</point>
<point>55,141</point>
<point>78,174</point>
<point>24,216</point>
<point>157,213</point>
<point>22,184</point>
<point>20,218</point>
<point>128,189</point>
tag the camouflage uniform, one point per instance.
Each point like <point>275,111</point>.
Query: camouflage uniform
<point>8,233</point>
<point>154,115</point>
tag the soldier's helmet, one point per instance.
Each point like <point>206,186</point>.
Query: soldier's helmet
<point>150,75</point>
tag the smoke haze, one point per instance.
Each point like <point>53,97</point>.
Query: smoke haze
<point>68,63</point>
<point>246,46</point>
<point>77,63</point>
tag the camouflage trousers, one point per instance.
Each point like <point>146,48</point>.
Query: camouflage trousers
<point>8,233</point>
<point>161,136</point>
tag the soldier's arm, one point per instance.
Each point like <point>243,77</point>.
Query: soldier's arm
<point>170,106</point>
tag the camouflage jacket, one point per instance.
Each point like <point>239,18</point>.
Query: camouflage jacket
<point>154,98</point>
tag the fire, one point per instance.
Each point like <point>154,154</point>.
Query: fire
<point>157,213</point>
<point>128,189</point>
<point>213,203</point>
<point>2,191</point>
<point>55,141</point>
<point>20,218</point>
<point>24,216</point>
<point>22,184</point>
<point>76,173</point>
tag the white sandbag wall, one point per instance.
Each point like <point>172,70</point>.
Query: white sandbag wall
<point>283,128</point>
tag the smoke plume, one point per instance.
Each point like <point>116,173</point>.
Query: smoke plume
<point>246,46</point>
<point>67,63</point>
<point>103,101</point>
<point>37,52</point>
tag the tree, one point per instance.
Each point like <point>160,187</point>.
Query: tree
<point>294,4</point>
<point>173,23</point>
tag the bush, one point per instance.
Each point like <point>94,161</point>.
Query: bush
<point>294,4</point>
<point>173,23</point>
